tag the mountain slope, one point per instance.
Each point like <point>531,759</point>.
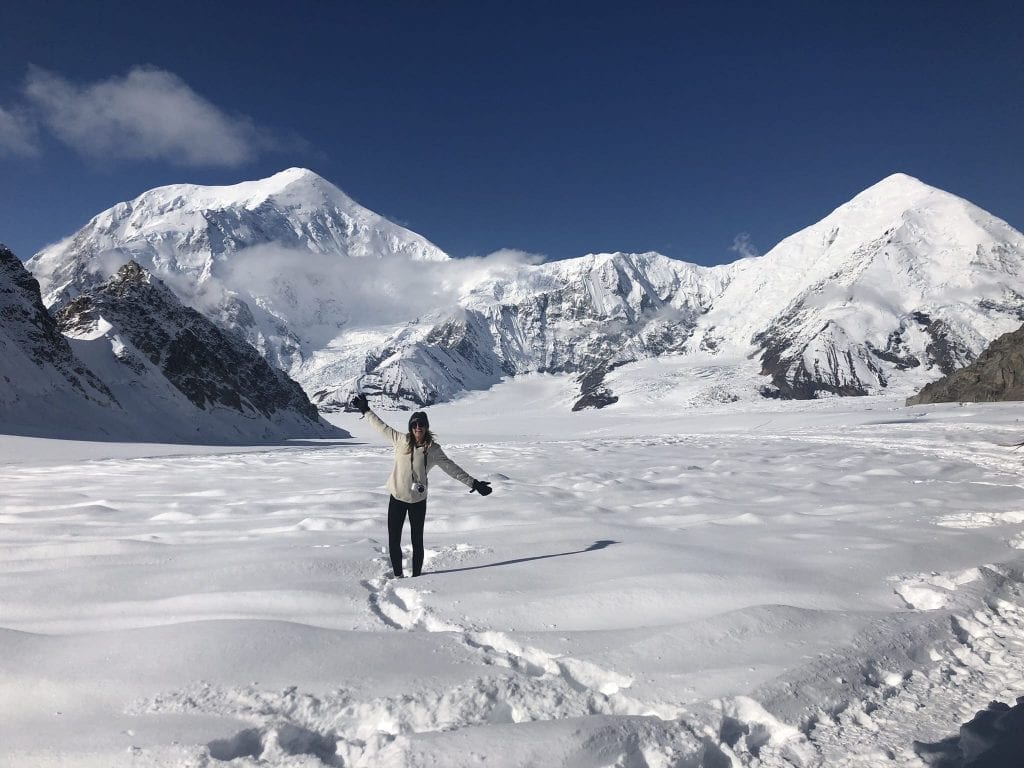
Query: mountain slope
<point>901,277</point>
<point>583,316</point>
<point>903,283</point>
<point>39,373</point>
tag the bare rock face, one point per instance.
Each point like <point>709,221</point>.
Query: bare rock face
<point>212,368</point>
<point>997,374</point>
<point>36,362</point>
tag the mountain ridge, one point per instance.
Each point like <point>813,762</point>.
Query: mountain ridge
<point>902,280</point>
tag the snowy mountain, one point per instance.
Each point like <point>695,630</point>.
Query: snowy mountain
<point>583,316</point>
<point>898,286</point>
<point>126,360</point>
<point>902,277</point>
<point>258,257</point>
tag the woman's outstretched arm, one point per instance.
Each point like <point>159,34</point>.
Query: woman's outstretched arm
<point>392,434</point>
<point>440,458</point>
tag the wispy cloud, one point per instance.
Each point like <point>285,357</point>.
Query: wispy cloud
<point>514,257</point>
<point>17,134</point>
<point>362,292</point>
<point>148,114</point>
<point>744,246</point>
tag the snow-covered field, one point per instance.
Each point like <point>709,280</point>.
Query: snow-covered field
<point>804,584</point>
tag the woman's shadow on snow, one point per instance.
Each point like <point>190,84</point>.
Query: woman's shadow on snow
<point>592,548</point>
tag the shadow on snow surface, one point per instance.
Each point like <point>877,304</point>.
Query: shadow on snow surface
<point>592,548</point>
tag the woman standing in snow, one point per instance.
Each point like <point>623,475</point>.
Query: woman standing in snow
<point>415,454</point>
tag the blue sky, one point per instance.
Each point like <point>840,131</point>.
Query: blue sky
<point>553,128</point>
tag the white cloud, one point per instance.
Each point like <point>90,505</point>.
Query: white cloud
<point>310,288</point>
<point>147,114</point>
<point>17,134</point>
<point>515,257</point>
<point>744,246</point>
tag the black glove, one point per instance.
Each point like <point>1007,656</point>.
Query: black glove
<point>360,403</point>
<point>482,487</point>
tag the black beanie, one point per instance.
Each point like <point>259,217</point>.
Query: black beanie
<point>419,416</point>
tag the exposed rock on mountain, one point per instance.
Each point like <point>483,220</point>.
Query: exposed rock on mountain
<point>584,316</point>
<point>997,374</point>
<point>900,283</point>
<point>39,373</point>
<point>138,366</point>
<point>137,332</point>
<point>594,393</point>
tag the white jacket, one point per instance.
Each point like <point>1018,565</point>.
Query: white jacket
<point>414,468</point>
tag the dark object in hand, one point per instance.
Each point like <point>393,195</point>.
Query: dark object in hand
<point>482,487</point>
<point>360,403</point>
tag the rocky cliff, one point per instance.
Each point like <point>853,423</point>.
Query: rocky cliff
<point>997,374</point>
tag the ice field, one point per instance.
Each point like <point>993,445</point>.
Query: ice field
<point>770,584</point>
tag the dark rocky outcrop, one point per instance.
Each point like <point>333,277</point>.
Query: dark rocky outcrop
<point>30,336</point>
<point>997,374</point>
<point>210,367</point>
<point>594,392</point>
<point>993,738</point>
<point>945,351</point>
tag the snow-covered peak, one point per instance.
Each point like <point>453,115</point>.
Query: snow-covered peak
<point>878,209</point>
<point>296,174</point>
<point>297,187</point>
<point>899,186</point>
<point>899,226</point>
<point>297,192</point>
<point>187,233</point>
<point>903,206</point>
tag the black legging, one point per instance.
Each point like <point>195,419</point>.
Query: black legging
<point>396,519</point>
